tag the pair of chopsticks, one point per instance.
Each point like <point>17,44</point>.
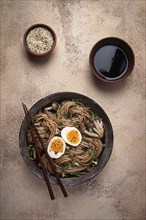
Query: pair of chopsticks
<point>31,127</point>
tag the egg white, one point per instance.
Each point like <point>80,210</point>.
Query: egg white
<point>52,153</point>
<point>64,133</point>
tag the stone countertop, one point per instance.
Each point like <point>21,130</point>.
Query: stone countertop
<point>118,192</point>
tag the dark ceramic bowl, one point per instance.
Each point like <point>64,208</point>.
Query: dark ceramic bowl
<point>108,137</point>
<point>126,50</point>
<point>49,29</point>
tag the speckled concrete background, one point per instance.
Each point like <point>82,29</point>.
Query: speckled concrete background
<point>118,192</point>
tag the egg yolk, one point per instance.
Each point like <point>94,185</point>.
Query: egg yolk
<point>57,146</point>
<point>73,136</point>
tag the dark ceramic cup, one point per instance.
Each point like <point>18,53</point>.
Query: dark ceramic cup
<point>111,60</point>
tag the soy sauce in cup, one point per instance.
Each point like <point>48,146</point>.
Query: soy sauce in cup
<point>111,59</point>
<point>110,62</point>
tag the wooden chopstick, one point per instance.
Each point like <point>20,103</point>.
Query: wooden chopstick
<point>48,157</point>
<point>39,156</point>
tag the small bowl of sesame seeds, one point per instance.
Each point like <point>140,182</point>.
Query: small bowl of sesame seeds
<point>39,39</point>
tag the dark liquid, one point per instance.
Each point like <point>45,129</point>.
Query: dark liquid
<point>110,62</point>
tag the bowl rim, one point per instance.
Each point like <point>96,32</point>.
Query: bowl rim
<point>35,26</point>
<point>126,74</point>
<point>109,138</point>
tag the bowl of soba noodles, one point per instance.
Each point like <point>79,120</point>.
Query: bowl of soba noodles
<point>76,133</point>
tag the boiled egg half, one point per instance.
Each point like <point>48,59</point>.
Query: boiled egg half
<point>71,136</point>
<point>56,147</point>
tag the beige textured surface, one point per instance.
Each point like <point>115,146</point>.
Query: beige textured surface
<point>118,192</point>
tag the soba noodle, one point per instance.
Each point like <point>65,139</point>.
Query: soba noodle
<point>76,160</point>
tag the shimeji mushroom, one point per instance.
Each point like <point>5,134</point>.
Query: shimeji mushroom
<point>91,134</point>
<point>54,106</point>
<point>84,131</point>
<point>93,127</point>
<point>98,127</point>
<point>76,164</point>
<point>92,118</point>
<point>94,162</point>
<point>90,126</point>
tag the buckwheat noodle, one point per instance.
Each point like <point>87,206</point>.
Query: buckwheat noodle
<point>76,160</point>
